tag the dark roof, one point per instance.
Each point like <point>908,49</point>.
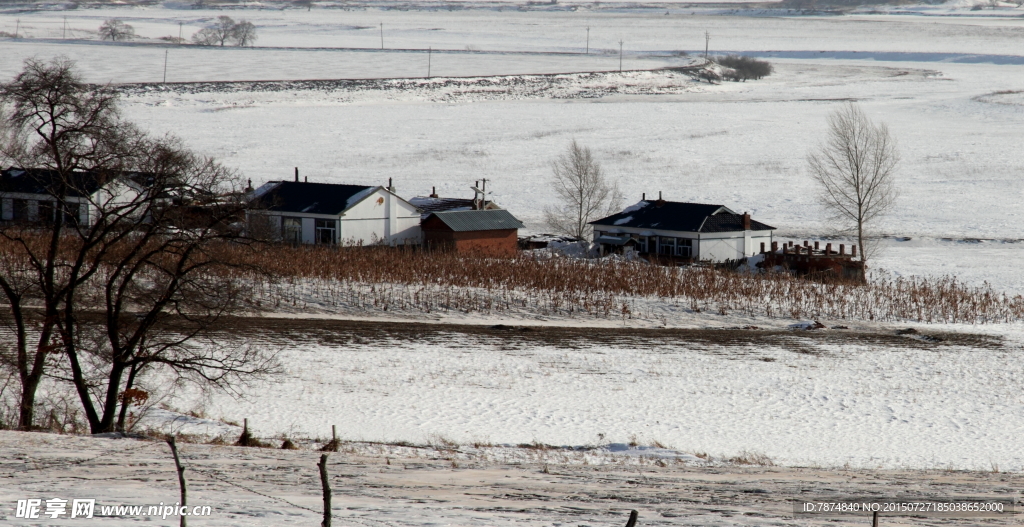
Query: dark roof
<point>479,220</point>
<point>678,216</point>
<point>37,181</point>
<point>428,205</point>
<point>309,198</point>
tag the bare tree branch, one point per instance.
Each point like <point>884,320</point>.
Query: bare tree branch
<point>583,191</point>
<point>855,169</point>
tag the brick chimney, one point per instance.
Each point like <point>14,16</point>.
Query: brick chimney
<point>746,221</point>
<point>433,192</point>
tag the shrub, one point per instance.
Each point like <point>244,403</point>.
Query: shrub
<point>742,67</point>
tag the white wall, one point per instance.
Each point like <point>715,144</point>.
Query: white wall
<point>381,217</point>
<point>733,245</point>
<point>720,249</point>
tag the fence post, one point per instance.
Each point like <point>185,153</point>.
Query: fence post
<point>327,490</point>
<point>181,477</point>
<point>633,515</point>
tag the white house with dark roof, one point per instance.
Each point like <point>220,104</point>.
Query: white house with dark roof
<point>329,214</point>
<point>693,231</point>
<point>38,196</point>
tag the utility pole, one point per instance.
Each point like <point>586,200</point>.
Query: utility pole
<point>165,66</point>
<point>64,31</point>
<point>17,27</point>
<point>179,33</point>
<point>382,35</point>
<point>588,40</point>
<point>707,39</point>
<point>428,62</point>
<point>620,56</point>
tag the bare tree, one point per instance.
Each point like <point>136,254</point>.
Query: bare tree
<point>50,120</point>
<point>583,192</point>
<point>244,33</point>
<point>115,30</point>
<point>133,266</point>
<point>219,33</point>
<point>855,169</point>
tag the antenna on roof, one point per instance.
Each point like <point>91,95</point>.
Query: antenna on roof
<point>480,195</point>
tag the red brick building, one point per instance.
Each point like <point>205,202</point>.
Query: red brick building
<point>479,232</point>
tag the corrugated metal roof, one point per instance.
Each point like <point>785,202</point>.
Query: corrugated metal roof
<point>479,220</point>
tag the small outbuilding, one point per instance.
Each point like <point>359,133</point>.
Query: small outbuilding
<point>479,232</point>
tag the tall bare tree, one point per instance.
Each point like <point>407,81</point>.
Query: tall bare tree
<point>855,169</point>
<point>244,33</point>
<point>583,191</point>
<point>51,121</point>
<point>116,30</point>
<point>133,265</point>
<point>220,32</point>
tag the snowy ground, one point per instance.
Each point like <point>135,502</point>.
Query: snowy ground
<point>382,485</point>
<point>835,398</point>
<point>801,400</point>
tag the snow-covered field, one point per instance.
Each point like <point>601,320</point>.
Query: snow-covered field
<point>958,120</point>
<point>862,399</point>
<point>742,144</point>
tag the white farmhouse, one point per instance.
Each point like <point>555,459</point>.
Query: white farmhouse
<point>688,231</point>
<point>327,214</point>
<point>37,196</point>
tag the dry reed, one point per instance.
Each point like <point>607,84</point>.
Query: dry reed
<point>385,279</point>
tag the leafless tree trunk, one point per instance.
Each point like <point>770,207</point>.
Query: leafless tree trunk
<point>855,169</point>
<point>51,121</point>
<point>138,285</point>
<point>244,33</point>
<point>583,191</point>
<point>219,33</point>
<point>115,30</point>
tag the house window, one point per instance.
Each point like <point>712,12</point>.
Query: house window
<point>326,232</point>
<point>72,213</point>
<point>666,245</point>
<point>20,210</point>
<point>291,230</point>
<point>684,247</point>
<point>46,212</point>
